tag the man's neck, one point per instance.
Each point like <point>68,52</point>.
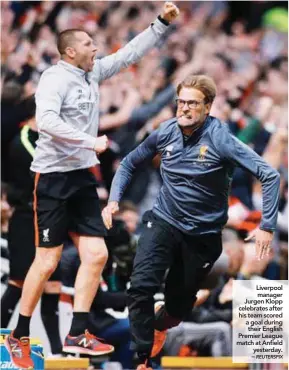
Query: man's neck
<point>71,61</point>
<point>188,131</point>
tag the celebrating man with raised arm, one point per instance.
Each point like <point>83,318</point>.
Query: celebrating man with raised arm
<point>183,231</point>
<point>65,200</point>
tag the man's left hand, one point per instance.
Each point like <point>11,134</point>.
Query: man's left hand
<point>263,241</point>
<point>170,12</point>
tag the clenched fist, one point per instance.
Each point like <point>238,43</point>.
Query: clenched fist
<point>170,12</point>
<point>101,144</point>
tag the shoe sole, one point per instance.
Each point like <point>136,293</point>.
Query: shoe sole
<point>84,351</point>
<point>7,346</point>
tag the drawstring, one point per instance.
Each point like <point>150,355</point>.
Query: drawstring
<point>86,78</point>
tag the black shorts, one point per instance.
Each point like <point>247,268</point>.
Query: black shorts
<point>66,202</point>
<point>21,245</point>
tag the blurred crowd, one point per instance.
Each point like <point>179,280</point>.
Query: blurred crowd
<point>243,47</point>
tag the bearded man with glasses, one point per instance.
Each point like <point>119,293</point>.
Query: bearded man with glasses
<point>183,232</point>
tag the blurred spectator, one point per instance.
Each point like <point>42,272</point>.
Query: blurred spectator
<point>6,211</point>
<point>121,242</point>
<point>208,339</point>
<point>21,238</point>
<point>207,330</point>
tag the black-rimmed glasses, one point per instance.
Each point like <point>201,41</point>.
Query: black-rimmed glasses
<point>192,104</point>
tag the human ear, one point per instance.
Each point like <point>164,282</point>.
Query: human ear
<point>208,108</point>
<point>70,52</point>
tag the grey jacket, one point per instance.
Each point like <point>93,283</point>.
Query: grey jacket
<point>67,106</point>
<point>197,175</point>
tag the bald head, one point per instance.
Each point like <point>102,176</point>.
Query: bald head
<point>68,38</point>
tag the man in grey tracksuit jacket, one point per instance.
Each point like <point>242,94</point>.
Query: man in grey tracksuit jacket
<point>65,198</point>
<point>67,101</point>
<point>183,230</point>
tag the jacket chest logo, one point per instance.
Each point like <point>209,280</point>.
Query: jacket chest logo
<point>203,152</point>
<point>79,94</point>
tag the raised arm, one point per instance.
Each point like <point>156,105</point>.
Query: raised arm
<point>49,98</point>
<point>146,150</point>
<point>137,47</point>
<point>131,99</point>
<point>142,114</point>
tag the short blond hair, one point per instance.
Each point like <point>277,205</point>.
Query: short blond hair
<point>203,83</point>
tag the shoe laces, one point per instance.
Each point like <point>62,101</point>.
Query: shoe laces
<point>91,337</point>
<point>25,346</point>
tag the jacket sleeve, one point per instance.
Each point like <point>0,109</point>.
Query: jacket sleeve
<point>233,150</point>
<point>130,53</point>
<point>146,150</point>
<point>49,98</point>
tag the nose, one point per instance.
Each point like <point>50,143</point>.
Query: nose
<point>185,108</point>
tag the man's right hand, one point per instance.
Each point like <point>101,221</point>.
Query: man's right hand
<point>101,144</point>
<point>170,12</point>
<point>107,213</point>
